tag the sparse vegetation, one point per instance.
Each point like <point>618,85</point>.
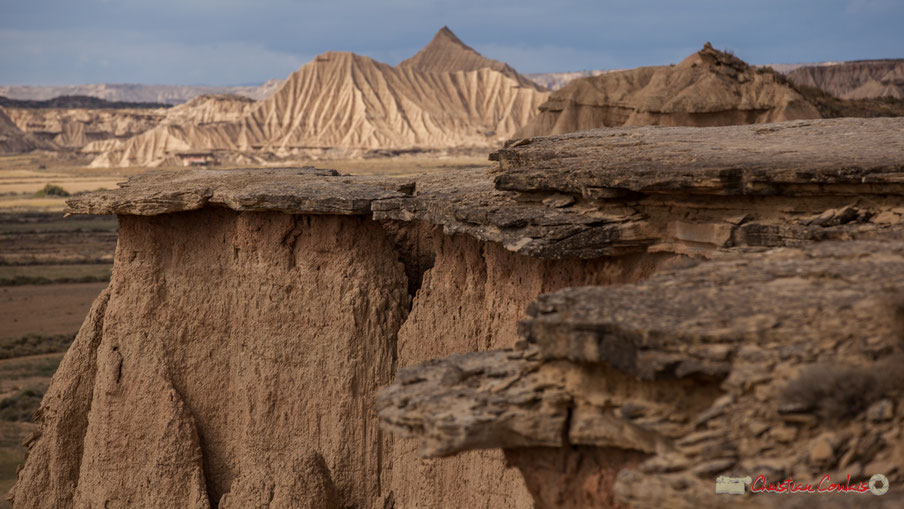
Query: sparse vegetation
<point>21,407</point>
<point>830,106</point>
<point>51,190</point>
<point>34,344</point>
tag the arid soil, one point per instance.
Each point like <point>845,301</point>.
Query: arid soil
<point>46,309</point>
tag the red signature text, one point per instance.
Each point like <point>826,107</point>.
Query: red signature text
<point>825,485</point>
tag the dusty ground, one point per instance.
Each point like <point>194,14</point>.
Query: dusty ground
<point>17,377</point>
<point>45,309</point>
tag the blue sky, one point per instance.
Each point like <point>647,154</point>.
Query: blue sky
<point>227,42</point>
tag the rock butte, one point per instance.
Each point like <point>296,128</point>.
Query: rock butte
<point>699,302</point>
<point>708,88</point>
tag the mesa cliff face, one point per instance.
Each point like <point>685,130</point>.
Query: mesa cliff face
<point>855,80</point>
<point>74,128</point>
<point>14,141</point>
<point>708,88</point>
<point>676,281</point>
<point>98,129</point>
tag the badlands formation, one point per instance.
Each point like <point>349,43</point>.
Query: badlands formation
<point>708,88</point>
<point>446,97</point>
<point>855,80</point>
<point>604,319</point>
<point>88,124</point>
<point>14,141</point>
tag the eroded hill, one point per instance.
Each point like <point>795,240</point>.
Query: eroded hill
<point>708,88</point>
<point>864,79</point>
<point>446,97</point>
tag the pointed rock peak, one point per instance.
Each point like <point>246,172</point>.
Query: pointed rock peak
<point>447,53</point>
<point>445,36</point>
<point>713,58</point>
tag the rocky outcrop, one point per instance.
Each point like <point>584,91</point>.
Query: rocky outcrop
<point>708,88</point>
<point>74,128</point>
<point>744,366</point>
<point>104,127</point>
<point>448,97</point>
<point>863,79</point>
<point>209,109</point>
<point>779,363</point>
<point>14,141</point>
<point>254,314</point>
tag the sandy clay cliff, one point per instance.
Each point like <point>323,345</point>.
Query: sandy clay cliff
<point>445,97</point>
<point>855,80</point>
<point>14,141</point>
<point>708,88</point>
<point>76,123</point>
<point>611,318</point>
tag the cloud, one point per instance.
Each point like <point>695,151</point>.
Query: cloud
<point>244,41</point>
<point>74,56</point>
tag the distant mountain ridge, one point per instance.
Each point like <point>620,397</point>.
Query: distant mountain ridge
<point>127,92</point>
<point>78,101</point>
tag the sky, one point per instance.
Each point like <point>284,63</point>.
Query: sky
<point>233,42</point>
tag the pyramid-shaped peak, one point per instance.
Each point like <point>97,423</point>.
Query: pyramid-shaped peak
<point>447,53</point>
<point>445,35</point>
<point>713,58</point>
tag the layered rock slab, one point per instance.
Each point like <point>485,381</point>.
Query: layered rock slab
<point>738,366</point>
<point>857,156</point>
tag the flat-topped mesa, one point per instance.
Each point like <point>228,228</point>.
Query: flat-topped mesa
<point>743,366</point>
<point>809,157</point>
<point>598,193</point>
<point>253,314</point>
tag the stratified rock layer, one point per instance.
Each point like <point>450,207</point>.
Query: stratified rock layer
<point>253,315</point>
<point>855,80</point>
<point>708,88</point>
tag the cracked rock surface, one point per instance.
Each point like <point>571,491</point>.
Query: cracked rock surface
<point>742,366</point>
